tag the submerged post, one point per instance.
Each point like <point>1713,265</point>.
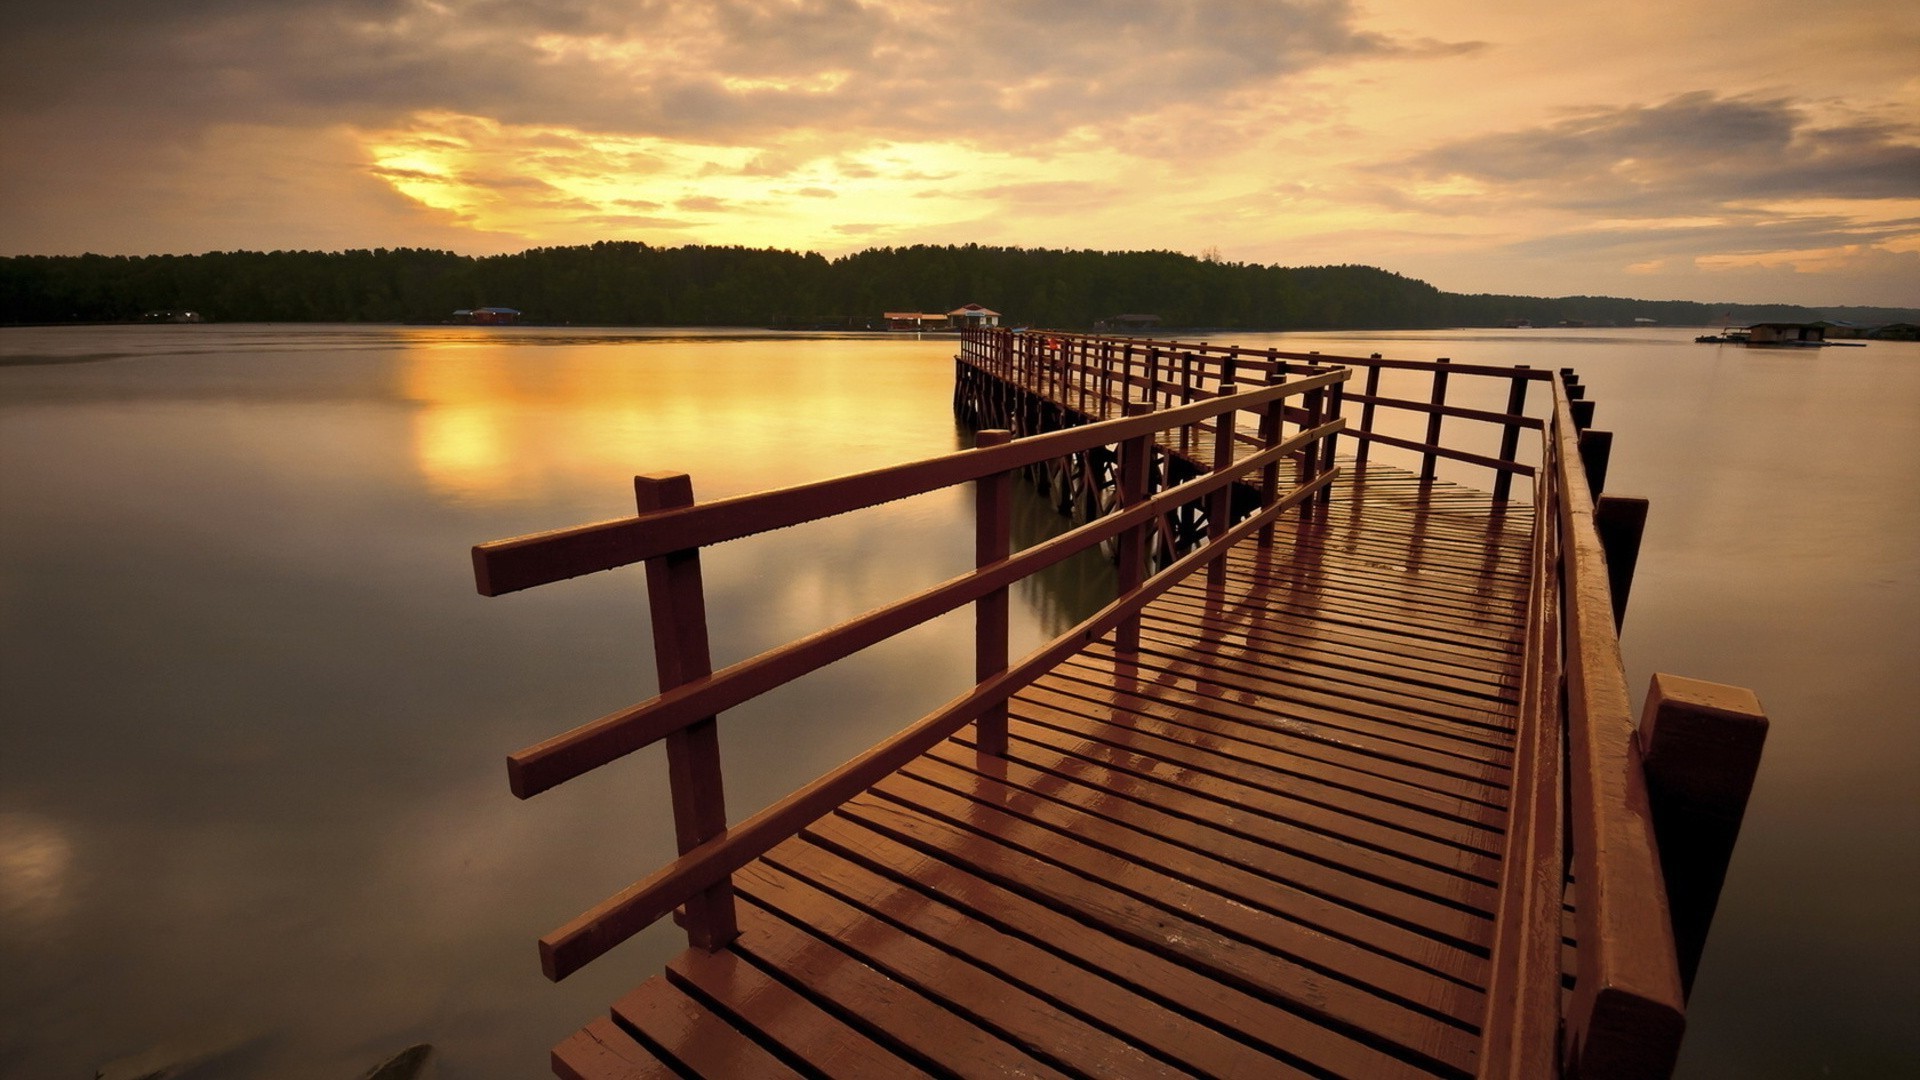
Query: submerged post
<point>1621,521</point>
<point>992,542</point>
<point>1701,742</point>
<point>676,600</point>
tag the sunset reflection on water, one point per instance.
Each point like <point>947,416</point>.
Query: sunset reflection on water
<point>256,712</point>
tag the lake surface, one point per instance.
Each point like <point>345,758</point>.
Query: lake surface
<point>254,714</point>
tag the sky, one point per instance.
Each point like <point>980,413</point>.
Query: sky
<point>1727,150</point>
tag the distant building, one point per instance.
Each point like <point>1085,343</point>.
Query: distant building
<point>1780,333</point>
<point>171,317</point>
<point>973,316</point>
<point>487,316</point>
<point>915,320</point>
<point>1128,322</point>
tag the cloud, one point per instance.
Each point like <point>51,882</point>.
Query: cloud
<point>1694,153</point>
<point>719,70</point>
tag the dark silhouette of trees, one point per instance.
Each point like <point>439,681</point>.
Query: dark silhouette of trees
<point>620,283</point>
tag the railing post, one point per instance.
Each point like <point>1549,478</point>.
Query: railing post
<point>1510,438</point>
<point>1366,415</point>
<point>1335,395</point>
<point>1438,399</point>
<point>1270,423</point>
<point>1220,503</point>
<point>676,600</point>
<point>1135,456</point>
<point>1596,449</point>
<point>1310,454</point>
<point>992,542</point>
<point>1186,398</point>
<point>1701,746</point>
<point>1621,522</point>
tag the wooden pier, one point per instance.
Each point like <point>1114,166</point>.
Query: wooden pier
<point>1344,782</point>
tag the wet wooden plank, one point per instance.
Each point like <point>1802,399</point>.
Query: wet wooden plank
<point>886,1010</point>
<point>1089,992</point>
<point>602,1051</point>
<point>781,1016</point>
<point>1295,1039</point>
<point>696,1040</point>
<point>1137,903</point>
<point>979,996</point>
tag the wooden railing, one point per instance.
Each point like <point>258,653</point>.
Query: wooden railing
<point>1091,375</point>
<point>1583,828</point>
<point>1581,831</point>
<point>670,529</point>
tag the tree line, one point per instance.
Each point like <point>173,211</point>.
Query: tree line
<point>619,283</point>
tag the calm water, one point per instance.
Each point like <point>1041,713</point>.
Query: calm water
<point>254,714</point>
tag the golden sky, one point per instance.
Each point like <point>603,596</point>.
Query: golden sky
<point>1739,150</point>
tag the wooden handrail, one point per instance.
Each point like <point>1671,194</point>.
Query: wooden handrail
<point>554,761</point>
<point>1628,1010</point>
<point>522,562</point>
<point>1091,364</point>
<point>669,533</point>
<point>645,902</point>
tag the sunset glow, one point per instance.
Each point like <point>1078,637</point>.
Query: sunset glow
<point>1483,147</point>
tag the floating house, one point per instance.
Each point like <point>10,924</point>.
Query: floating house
<point>1779,333</point>
<point>973,317</point>
<point>916,320</point>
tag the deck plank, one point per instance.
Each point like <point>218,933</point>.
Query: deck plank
<point>1267,844</point>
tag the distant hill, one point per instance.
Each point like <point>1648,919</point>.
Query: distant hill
<point>635,284</point>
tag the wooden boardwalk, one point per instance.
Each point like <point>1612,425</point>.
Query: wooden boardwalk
<point>1263,825</point>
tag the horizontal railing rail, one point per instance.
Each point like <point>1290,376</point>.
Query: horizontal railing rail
<point>1090,374</point>
<point>667,537</point>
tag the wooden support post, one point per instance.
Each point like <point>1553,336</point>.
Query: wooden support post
<point>1510,439</point>
<point>676,600</point>
<point>1135,459</point>
<point>1270,424</point>
<point>1439,397</point>
<point>992,542</point>
<point>1220,503</point>
<point>1620,521</point>
<point>1701,745</point>
<point>1310,454</point>
<point>1582,414</point>
<point>1186,398</point>
<point>1596,449</point>
<point>1335,395</point>
<point>1366,415</point>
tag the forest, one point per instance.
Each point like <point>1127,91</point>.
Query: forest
<point>635,284</point>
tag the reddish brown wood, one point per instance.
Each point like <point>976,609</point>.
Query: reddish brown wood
<point>1627,1014</point>
<point>1433,419</point>
<point>1131,490</point>
<point>1621,521</point>
<point>693,1038</point>
<point>1702,743</point>
<point>677,600</point>
<point>993,542</point>
<point>1220,504</point>
<point>1596,450</point>
<point>602,1051</point>
<point>1510,436</point>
